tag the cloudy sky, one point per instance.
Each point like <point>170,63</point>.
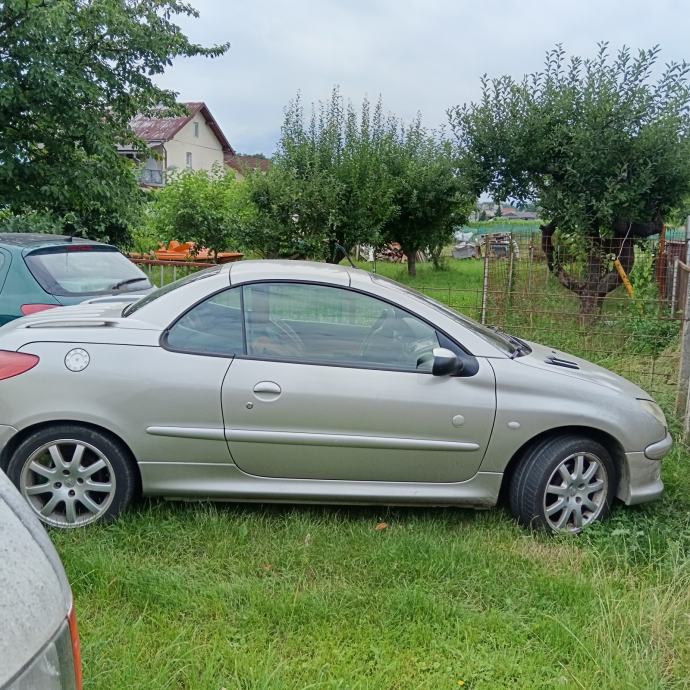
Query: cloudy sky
<point>419,55</point>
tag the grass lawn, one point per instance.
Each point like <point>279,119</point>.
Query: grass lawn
<point>178,595</point>
<point>211,596</point>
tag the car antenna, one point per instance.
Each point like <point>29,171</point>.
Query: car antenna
<point>346,254</point>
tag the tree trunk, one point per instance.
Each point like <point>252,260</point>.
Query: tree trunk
<point>411,263</point>
<point>599,281</point>
<point>335,255</point>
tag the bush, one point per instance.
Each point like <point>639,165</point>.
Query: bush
<point>31,221</point>
<point>210,209</point>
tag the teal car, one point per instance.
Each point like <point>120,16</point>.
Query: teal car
<point>40,272</point>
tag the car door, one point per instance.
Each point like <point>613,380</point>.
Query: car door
<point>336,384</point>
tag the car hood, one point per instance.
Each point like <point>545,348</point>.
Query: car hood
<point>34,594</point>
<point>546,359</point>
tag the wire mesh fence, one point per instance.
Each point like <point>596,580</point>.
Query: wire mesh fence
<point>577,298</point>
<point>560,297</point>
<point>161,273</point>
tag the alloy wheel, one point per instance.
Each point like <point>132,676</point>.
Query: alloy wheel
<point>576,492</point>
<point>69,483</point>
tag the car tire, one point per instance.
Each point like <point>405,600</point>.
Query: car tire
<point>73,476</point>
<point>563,484</point>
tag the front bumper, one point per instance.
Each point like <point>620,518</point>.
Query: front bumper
<point>640,480</point>
<point>657,450</point>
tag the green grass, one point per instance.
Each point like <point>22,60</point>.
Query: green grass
<point>458,285</point>
<point>211,596</point>
<point>178,595</point>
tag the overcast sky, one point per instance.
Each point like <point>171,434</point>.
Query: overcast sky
<point>419,55</point>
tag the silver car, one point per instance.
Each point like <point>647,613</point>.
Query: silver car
<point>311,383</point>
<point>39,644</point>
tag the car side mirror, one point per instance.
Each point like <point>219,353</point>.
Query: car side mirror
<point>445,362</point>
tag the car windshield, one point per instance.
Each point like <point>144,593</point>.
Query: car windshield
<point>84,269</point>
<point>153,296</point>
<point>502,341</point>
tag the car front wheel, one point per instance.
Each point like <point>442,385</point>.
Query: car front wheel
<point>563,484</point>
<point>73,476</point>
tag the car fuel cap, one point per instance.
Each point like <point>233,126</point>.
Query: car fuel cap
<point>77,359</point>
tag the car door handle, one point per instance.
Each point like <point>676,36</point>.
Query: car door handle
<point>267,390</point>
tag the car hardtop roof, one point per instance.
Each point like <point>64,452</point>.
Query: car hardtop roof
<point>38,239</point>
<point>288,269</point>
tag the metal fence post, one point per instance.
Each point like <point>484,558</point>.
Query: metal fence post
<point>684,369</point>
<point>674,287</point>
<point>510,272</point>
<point>485,288</point>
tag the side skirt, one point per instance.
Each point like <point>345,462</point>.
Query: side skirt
<point>228,482</point>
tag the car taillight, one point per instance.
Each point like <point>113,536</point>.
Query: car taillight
<point>15,363</point>
<point>76,650</point>
<point>79,248</point>
<point>35,308</point>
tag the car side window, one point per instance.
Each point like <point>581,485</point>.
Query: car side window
<point>212,327</point>
<point>330,325</point>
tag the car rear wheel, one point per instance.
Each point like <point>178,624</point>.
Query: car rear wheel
<point>73,476</point>
<point>563,484</point>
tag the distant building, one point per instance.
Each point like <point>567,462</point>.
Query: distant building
<point>242,164</point>
<point>512,213</point>
<point>193,141</point>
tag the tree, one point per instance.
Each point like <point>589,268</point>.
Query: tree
<point>354,177</point>
<point>73,73</point>
<point>327,184</point>
<point>604,147</point>
<point>429,196</point>
<point>212,209</point>
<point>292,213</point>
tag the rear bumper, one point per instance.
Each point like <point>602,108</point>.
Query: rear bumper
<point>641,473</point>
<point>6,433</point>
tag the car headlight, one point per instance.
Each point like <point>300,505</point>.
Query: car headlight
<point>650,407</point>
<point>53,668</point>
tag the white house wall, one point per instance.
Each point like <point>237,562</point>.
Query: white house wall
<point>205,149</point>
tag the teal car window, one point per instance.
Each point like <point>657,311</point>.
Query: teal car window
<point>79,269</point>
<point>331,325</point>
<point>212,327</point>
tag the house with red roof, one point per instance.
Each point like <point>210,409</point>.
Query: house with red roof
<point>242,164</point>
<point>192,141</point>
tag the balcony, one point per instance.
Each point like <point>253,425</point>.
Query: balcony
<point>152,177</point>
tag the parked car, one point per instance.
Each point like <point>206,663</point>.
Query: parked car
<point>39,644</point>
<point>38,272</point>
<point>300,382</point>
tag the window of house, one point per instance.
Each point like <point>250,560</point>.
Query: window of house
<point>329,325</point>
<point>196,130</point>
<point>189,159</point>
